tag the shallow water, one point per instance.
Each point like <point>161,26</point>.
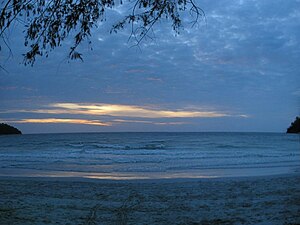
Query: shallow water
<point>149,155</point>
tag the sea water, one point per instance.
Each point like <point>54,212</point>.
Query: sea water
<point>149,155</point>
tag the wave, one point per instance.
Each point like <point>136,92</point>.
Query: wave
<point>79,145</point>
<point>149,146</point>
<point>152,146</point>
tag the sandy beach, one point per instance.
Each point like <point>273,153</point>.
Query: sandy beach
<point>248,200</point>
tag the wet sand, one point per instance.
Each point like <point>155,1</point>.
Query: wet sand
<point>249,200</point>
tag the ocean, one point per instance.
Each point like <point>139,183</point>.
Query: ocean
<point>149,155</point>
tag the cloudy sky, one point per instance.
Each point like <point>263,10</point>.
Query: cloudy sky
<point>237,70</point>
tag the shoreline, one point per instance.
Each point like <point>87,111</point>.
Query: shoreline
<point>246,173</point>
<point>149,180</point>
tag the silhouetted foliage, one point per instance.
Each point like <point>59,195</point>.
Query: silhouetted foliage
<point>295,126</point>
<point>7,129</point>
<point>49,22</point>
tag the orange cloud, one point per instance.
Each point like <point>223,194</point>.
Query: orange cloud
<point>124,111</point>
<point>121,112</point>
<point>148,122</point>
<point>70,121</point>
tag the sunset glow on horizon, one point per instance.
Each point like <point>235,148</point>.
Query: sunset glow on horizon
<point>56,120</point>
<point>117,114</point>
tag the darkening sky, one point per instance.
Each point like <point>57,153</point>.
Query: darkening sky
<point>238,71</point>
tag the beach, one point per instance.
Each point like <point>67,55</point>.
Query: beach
<point>238,200</point>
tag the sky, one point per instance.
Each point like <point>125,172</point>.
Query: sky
<point>237,70</point>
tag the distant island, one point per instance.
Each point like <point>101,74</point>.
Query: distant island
<point>295,126</point>
<point>7,129</point>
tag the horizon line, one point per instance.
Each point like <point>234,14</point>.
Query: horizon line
<point>96,132</point>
